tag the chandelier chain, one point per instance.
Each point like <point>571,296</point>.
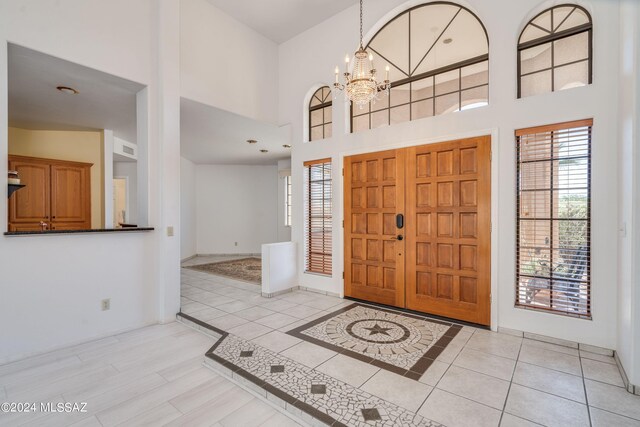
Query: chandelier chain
<point>361,38</point>
<point>361,86</point>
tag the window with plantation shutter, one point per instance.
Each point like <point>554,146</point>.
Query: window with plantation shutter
<point>318,216</point>
<point>554,218</point>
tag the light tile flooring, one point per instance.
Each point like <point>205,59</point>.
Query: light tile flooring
<point>154,376</point>
<point>482,378</point>
<point>151,376</point>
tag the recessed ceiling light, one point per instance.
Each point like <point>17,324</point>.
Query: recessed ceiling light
<point>264,151</point>
<point>447,40</point>
<point>67,90</point>
<point>252,141</point>
<point>286,146</point>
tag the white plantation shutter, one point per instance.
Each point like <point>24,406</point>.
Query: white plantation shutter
<point>318,216</point>
<point>554,218</point>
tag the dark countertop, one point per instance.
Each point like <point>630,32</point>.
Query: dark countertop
<point>99,230</point>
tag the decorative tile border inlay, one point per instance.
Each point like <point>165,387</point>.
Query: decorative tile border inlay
<point>402,343</point>
<point>326,399</point>
<point>303,390</point>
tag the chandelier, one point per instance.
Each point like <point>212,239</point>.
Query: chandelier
<point>361,87</point>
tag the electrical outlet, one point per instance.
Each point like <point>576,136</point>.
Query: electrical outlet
<point>170,231</point>
<point>236,244</point>
<point>106,304</point>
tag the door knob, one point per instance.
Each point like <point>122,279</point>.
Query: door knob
<point>398,237</point>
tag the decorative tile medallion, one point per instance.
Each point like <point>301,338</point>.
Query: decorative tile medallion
<point>402,343</point>
<point>309,394</point>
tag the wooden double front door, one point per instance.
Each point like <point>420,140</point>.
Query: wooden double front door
<point>417,227</point>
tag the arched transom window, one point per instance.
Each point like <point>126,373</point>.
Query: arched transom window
<point>438,58</point>
<point>554,51</point>
<point>320,114</point>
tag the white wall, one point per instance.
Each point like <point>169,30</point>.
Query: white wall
<point>188,215</point>
<point>58,303</point>
<point>236,204</point>
<point>226,64</point>
<point>284,232</point>
<point>629,185</point>
<point>308,60</point>
<point>128,170</point>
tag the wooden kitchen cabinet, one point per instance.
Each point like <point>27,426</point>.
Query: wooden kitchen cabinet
<point>57,195</point>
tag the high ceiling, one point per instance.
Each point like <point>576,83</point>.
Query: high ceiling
<point>209,135</point>
<point>280,20</point>
<point>103,102</point>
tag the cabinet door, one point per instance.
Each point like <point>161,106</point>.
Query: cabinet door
<point>70,194</point>
<point>31,203</point>
<point>29,226</point>
<point>69,226</point>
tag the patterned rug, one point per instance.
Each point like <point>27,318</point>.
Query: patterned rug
<point>398,342</point>
<point>245,269</point>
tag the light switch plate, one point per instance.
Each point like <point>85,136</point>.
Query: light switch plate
<point>170,231</point>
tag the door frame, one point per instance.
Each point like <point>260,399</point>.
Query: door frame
<point>339,200</point>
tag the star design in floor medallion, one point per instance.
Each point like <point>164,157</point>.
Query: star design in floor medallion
<point>377,329</point>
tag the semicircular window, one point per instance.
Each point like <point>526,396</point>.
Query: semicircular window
<point>438,58</point>
<point>554,51</point>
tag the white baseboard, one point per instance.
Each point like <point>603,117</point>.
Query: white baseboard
<point>236,254</point>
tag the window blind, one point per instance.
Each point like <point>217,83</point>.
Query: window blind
<point>318,216</point>
<point>554,218</point>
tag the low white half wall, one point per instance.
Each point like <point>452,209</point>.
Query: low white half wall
<point>279,272</point>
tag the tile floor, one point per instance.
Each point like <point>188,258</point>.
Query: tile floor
<point>481,378</point>
<point>133,379</point>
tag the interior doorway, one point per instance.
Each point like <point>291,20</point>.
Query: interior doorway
<point>418,228</point>
<point>120,202</point>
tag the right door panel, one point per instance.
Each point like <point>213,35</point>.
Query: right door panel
<point>448,229</point>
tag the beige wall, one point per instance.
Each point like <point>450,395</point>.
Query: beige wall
<point>74,146</point>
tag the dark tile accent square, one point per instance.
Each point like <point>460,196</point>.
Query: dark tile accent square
<point>247,353</point>
<point>276,369</point>
<point>371,414</point>
<point>318,389</point>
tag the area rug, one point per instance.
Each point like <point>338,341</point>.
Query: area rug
<point>398,342</point>
<point>245,269</point>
